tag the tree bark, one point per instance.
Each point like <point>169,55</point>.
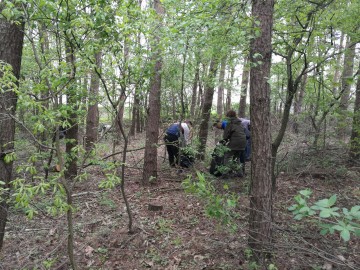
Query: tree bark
<point>244,88</point>
<point>229,91</point>
<point>219,107</point>
<point>70,170</point>
<point>346,77</point>
<point>220,104</point>
<point>194,89</point>
<point>92,117</point>
<point>11,44</point>
<point>152,125</point>
<point>298,103</point>
<point>347,74</point>
<point>260,218</point>
<point>354,153</point>
<point>206,108</point>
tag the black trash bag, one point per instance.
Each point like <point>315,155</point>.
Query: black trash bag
<point>217,159</point>
<point>186,161</point>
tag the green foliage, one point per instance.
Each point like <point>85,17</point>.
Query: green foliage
<point>110,181</point>
<point>25,194</point>
<point>164,225</point>
<point>220,207</point>
<point>49,263</point>
<point>106,201</point>
<point>7,80</point>
<point>330,218</point>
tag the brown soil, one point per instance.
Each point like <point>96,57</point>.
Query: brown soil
<point>171,229</point>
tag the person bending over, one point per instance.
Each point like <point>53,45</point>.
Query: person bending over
<point>176,135</point>
<point>234,133</point>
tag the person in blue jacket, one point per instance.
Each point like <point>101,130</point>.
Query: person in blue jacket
<point>175,134</point>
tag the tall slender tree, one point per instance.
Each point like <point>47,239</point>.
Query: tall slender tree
<point>92,117</point>
<point>355,133</point>
<point>244,88</point>
<point>153,111</point>
<point>260,218</point>
<point>206,108</point>
<point>11,44</point>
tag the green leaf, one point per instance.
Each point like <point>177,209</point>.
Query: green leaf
<point>304,209</point>
<point>323,203</point>
<point>324,231</point>
<point>345,235</point>
<point>332,200</point>
<point>338,227</point>
<point>325,213</point>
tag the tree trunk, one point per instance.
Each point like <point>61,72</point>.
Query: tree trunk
<point>183,110</point>
<point>244,88</point>
<point>194,89</point>
<point>354,153</point>
<point>206,108</point>
<point>298,103</point>
<point>345,87</point>
<point>11,44</point>
<point>135,112</point>
<point>70,170</point>
<point>260,218</point>
<point>347,74</point>
<point>338,65</point>
<point>152,125</point>
<point>229,91</point>
<point>92,118</point>
<point>200,99</point>
<point>219,107</point>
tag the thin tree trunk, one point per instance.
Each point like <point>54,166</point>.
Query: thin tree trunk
<point>200,99</point>
<point>183,112</point>
<point>206,108</point>
<point>135,112</point>
<point>244,88</point>
<point>92,117</point>
<point>298,104</point>
<point>71,144</point>
<point>347,74</point>
<point>345,87</point>
<point>219,107</point>
<point>229,91</point>
<point>11,44</point>
<point>194,89</point>
<point>261,193</point>
<point>338,65</point>
<point>152,125</point>
<point>354,152</point>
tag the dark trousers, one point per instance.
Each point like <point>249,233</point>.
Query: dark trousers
<point>237,155</point>
<point>248,149</point>
<point>172,147</point>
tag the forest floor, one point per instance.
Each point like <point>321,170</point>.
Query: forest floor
<point>180,235</point>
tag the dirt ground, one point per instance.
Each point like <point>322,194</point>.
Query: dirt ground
<point>176,233</point>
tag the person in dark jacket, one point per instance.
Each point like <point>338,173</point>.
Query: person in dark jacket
<point>234,134</point>
<point>177,134</point>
